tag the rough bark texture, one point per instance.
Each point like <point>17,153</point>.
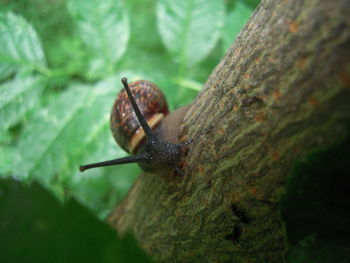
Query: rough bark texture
<point>281,91</point>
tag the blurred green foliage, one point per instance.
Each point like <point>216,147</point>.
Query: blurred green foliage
<point>316,207</point>
<point>40,229</point>
<point>60,69</point>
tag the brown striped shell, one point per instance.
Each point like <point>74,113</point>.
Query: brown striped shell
<point>125,126</point>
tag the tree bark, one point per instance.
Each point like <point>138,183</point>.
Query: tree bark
<point>281,92</point>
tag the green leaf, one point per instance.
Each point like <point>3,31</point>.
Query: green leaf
<point>57,133</point>
<point>235,20</point>
<point>104,28</point>
<point>73,130</point>
<point>17,97</point>
<point>20,46</point>
<point>143,23</point>
<point>190,29</point>
<point>44,131</point>
<point>7,155</point>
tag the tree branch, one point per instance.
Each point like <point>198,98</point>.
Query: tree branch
<point>281,91</point>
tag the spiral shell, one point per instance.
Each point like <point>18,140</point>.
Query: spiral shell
<point>124,124</point>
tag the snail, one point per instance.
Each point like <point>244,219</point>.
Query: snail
<point>148,148</point>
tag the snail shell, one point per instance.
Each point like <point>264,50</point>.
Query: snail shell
<point>124,124</point>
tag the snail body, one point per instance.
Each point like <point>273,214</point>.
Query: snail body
<point>137,109</point>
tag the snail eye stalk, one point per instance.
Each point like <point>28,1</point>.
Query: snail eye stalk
<point>148,131</point>
<point>129,159</point>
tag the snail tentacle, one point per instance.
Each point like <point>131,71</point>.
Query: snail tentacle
<point>128,159</point>
<point>148,131</point>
